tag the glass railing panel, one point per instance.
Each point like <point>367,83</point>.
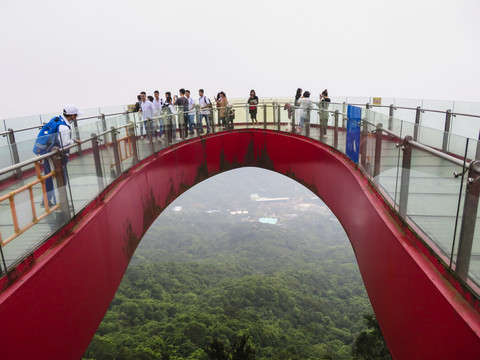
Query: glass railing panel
<point>6,159</point>
<point>466,126</point>
<point>406,114</point>
<point>440,105</point>
<point>86,113</point>
<point>457,145</point>
<point>112,109</point>
<point>389,165</point>
<point>406,128</point>
<point>359,100</point>
<point>430,137</point>
<point>22,123</point>
<point>338,99</point>
<point>82,178</point>
<point>242,116</point>
<point>433,120</point>
<point>85,131</point>
<point>433,194</point>
<point>25,149</point>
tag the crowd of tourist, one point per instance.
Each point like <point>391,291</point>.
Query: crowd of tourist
<point>163,109</point>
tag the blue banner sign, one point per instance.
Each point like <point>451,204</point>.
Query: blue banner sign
<point>354,117</point>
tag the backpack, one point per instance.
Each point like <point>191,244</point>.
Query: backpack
<point>47,137</point>
<point>208,103</point>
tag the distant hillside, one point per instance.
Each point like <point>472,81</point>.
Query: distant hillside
<point>200,281</point>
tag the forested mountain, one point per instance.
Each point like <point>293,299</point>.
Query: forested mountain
<point>209,281</point>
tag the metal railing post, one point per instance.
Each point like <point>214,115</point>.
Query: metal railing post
<point>378,152</point>
<point>477,153</point>
<point>265,116</point>
<point>274,113</point>
<point>390,117</point>
<point>212,118</point>
<point>98,164</point>
<point>319,113</point>
<point>279,118</point>
<point>344,116</point>
<point>307,122</point>
<point>469,218</point>
<point>417,123</point>
<point>293,118</point>
<point>133,141</point>
<point>335,133</point>
<point>198,119</point>
<point>77,136</point>
<point>116,153</point>
<point>104,126</point>
<point>363,146</point>
<point>150,135</point>
<point>446,133</point>
<point>60,176</point>
<point>405,179</point>
<point>16,157</point>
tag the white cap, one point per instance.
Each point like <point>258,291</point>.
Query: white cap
<point>71,109</point>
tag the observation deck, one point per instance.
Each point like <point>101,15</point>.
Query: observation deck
<point>417,169</point>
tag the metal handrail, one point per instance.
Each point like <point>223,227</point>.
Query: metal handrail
<point>131,150</point>
<point>408,108</point>
<point>4,133</point>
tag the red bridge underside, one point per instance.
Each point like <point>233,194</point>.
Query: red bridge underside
<point>61,293</point>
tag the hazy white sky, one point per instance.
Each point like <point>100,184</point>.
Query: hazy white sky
<point>104,52</point>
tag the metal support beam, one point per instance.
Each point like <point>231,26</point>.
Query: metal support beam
<point>446,133</point>
<point>279,118</point>
<point>405,179</point>
<point>77,136</point>
<point>335,134</point>
<point>378,152</point>
<point>265,116</point>
<point>307,122</point>
<point>469,219</point>
<point>293,119</point>
<point>477,153</point>
<point>363,146</point>
<point>60,175</point>
<point>116,153</point>
<point>150,136</point>
<point>97,161</point>
<point>133,141</point>
<point>104,126</point>
<point>14,149</point>
<point>390,117</point>
<point>417,123</point>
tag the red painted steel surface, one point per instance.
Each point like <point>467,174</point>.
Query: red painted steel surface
<point>54,308</point>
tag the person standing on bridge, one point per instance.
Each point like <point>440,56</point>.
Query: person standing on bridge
<point>63,139</point>
<point>324,104</point>
<point>253,101</point>
<point>182,103</point>
<point>222,110</point>
<point>205,105</point>
<point>147,113</point>
<point>191,112</point>
<point>157,104</point>
<point>296,105</point>
<point>304,111</point>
